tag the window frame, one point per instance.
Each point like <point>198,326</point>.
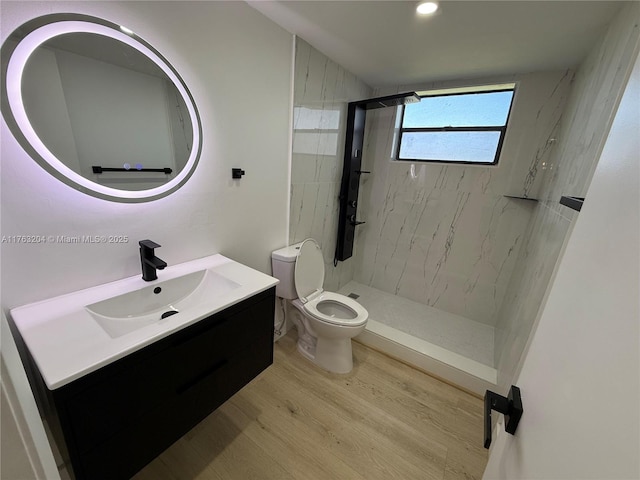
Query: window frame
<point>485,128</point>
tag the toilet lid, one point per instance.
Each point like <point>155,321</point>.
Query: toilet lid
<point>309,270</point>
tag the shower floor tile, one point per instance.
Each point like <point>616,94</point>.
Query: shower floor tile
<point>455,333</point>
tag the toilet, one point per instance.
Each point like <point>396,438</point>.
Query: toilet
<point>326,321</point>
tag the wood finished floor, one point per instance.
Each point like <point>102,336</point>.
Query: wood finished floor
<point>384,420</point>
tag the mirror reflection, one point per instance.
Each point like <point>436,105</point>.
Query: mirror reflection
<point>99,108</point>
<point>107,111</point>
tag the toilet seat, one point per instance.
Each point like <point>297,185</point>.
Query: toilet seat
<point>328,307</point>
<point>336,309</point>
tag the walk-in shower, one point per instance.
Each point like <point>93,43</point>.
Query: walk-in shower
<point>431,337</point>
<point>454,260</point>
<point>435,260</point>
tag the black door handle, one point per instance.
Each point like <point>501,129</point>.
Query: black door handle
<point>510,406</point>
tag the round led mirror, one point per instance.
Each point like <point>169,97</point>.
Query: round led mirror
<point>99,108</point>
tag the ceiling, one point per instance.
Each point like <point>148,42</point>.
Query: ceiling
<point>386,43</point>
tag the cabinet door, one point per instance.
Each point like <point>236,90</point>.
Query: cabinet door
<point>107,407</point>
<point>126,414</point>
<point>196,353</point>
<point>124,454</point>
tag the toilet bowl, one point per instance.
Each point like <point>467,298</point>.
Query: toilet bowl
<point>326,321</point>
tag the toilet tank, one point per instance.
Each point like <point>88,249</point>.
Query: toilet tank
<point>283,264</point>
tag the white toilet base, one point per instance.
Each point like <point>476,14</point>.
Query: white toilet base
<point>305,349</point>
<point>334,354</point>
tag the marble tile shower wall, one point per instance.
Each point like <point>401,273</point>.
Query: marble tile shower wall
<point>596,90</point>
<point>445,235</point>
<point>322,90</point>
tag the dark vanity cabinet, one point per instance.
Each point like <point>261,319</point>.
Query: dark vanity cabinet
<point>110,423</point>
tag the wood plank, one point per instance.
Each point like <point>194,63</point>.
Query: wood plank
<point>355,434</point>
<point>384,420</point>
<point>222,441</point>
<point>294,448</point>
<point>180,461</point>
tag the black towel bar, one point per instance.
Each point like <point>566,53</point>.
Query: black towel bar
<point>98,169</point>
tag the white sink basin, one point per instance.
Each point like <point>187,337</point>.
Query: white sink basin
<point>126,313</point>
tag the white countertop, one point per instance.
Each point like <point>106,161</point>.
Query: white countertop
<point>67,343</point>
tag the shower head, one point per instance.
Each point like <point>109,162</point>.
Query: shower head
<point>389,101</point>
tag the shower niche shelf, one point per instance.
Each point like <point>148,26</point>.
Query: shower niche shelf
<point>521,198</point>
<point>574,203</point>
<point>351,172</point>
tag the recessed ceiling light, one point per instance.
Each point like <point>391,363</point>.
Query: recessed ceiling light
<point>427,8</point>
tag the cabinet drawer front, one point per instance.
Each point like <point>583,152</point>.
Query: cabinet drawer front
<point>131,449</point>
<point>195,353</point>
<point>217,387</point>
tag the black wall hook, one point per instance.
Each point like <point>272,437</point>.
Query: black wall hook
<point>510,407</point>
<point>237,173</point>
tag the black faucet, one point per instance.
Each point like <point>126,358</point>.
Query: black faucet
<point>149,261</point>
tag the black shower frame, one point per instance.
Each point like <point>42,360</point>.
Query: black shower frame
<point>351,171</point>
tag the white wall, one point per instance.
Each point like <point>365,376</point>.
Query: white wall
<point>47,108</point>
<point>24,448</point>
<point>113,125</point>
<point>109,125</point>
<point>597,87</point>
<point>580,381</point>
<point>238,66</point>
<point>15,461</point>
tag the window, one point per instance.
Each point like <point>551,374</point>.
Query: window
<point>456,126</point>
